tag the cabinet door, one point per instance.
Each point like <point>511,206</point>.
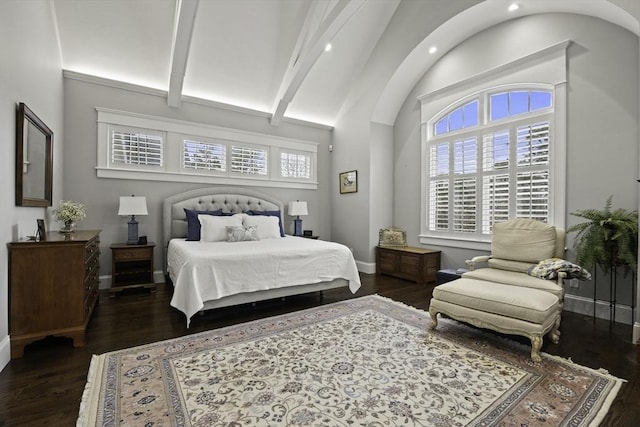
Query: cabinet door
<point>410,265</point>
<point>388,261</point>
<point>431,266</point>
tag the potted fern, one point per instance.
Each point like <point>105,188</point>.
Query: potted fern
<point>608,239</point>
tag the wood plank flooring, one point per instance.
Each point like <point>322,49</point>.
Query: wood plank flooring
<point>45,386</point>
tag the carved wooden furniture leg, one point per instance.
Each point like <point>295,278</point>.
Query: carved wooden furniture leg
<point>555,332</point>
<point>536,345</point>
<point>434,319</point>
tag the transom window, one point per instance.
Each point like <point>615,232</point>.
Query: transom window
<point>512,103</point>
<point>135,146</point>
<point>462,117</point>
<point>488,160</point>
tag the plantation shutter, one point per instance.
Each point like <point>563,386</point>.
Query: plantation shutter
<point>532,199</point>
<point>533,144</point>
<point>131,148</point>
<point>495,201</point>
<point>249,160</point>
<point>464,205</point>
<point>295,165</point>
<point>533,184</point>
<point>204,155</point>
<point>439,205</point>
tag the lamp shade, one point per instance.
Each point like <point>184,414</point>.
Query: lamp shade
<point>133,205</point>
<point>298,208</point>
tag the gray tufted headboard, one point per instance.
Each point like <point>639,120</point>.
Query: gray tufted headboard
<point>229,199</point>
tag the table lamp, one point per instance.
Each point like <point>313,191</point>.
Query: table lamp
<point>133,205</point>
<point>296,209</point>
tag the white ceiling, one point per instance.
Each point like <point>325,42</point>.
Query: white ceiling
<point>256,54</point>
<point>265,55</point>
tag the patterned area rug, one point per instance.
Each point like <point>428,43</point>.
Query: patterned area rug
<point>363,362</point>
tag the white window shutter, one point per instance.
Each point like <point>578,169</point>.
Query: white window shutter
<point>199,155</point>
<point>249,160</point>
<point>131,148</point>
<point>495,201</point>
<point>295,165</point>
<point>439,205</point>
<point>464,205</point>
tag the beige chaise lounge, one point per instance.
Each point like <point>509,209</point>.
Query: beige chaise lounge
<point>503,297</point>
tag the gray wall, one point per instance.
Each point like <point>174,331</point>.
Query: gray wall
<point>363,145</point>
<point>602,117</point>
<point>29,72</point>
<point>101,195</point>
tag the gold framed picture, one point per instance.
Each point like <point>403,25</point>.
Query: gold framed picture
<point>392,238</point>
<point>348,182</point>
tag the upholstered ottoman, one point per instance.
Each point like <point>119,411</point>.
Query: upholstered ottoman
<point>503,308</point>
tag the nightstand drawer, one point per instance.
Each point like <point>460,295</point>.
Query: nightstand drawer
<point>132,254</point>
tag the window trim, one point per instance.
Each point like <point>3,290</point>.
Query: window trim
<point>176,131</point>
<point>521,72</point>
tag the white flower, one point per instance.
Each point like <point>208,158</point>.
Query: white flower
<point>70,211</point>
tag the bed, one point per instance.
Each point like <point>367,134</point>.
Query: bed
<point>214,274</point>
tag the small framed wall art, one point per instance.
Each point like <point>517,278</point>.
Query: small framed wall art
<point>41,233</point>
<point>348,182</point>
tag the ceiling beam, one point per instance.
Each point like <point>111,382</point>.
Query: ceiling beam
<point>182,32</point>
<point>306,53</point>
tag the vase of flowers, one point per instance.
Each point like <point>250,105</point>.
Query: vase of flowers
<point>69,213</point>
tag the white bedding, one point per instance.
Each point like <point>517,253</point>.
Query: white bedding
<point>203,271</point>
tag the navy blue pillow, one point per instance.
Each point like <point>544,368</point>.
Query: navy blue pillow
<point>270,213</point>
<point>193,223</point>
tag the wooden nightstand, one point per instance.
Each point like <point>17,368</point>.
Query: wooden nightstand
<point>311,237</point>
<point>132,266</point>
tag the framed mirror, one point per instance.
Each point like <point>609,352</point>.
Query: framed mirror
<point>34,160</point>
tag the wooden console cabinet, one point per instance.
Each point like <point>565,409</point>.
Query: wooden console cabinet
<point>53,287</point>
<point>410,263</point>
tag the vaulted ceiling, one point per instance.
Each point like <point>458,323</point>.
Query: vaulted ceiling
<point>264,55</point>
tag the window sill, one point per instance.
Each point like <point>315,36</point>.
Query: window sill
<point>455,242</point>
<point>201,179</point>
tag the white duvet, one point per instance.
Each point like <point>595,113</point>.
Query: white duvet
<point>203,271</point>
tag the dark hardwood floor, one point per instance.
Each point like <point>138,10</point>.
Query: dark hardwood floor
<point>45,386</point>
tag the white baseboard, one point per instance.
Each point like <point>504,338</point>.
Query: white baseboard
<point>366,267</point>
<point>583,305</point>
<point>105,281</point>
<point>5,352</point>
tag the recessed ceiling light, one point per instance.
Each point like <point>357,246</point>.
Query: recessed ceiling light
<point>513,7</point>
<point>433,49</point>
<point>327,47</point>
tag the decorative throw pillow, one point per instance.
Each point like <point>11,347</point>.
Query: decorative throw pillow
<point>193,223</point>
<point>241,234</point>
<point>267,226</point>
<point>214,228</point>
<point>270,213</point>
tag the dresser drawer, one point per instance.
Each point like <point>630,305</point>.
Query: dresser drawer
<point>92,249</point>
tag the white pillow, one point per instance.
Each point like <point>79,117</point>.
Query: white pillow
<point>214,228</point>
<point>268,226</point>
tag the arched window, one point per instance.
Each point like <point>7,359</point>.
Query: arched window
<point>494,148</point>
<point>488,160</point>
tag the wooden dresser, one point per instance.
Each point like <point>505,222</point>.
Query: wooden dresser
<point>417,264</point>
<point>53,287</point>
